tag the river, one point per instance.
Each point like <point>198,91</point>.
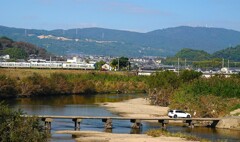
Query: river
<point>86,105</point>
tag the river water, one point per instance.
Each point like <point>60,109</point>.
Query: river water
<point>86,105</point>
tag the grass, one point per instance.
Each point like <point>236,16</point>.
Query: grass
<point>160,132</point>
<point>22,73</point>
<point>235,107</point>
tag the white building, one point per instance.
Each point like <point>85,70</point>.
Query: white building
<point>106,67</point>
<point>5,57</point>
<point>75,60</point>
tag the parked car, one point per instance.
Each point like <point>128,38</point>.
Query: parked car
<point>178,114</point>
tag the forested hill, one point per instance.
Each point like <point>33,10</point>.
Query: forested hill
<point>99,41</point>
<point>231,53</point>
<point>20,50</point>
<point>193,55</point>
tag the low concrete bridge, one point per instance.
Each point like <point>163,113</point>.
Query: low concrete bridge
<point>48,119</point>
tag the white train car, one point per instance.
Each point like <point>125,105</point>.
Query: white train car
<point>22,65</point>
<point>40,65</point>
<point>15,65</point>
<point>8,64</point>
<point>56,65</point>
<point>47,65</point>
<point>78,66</point>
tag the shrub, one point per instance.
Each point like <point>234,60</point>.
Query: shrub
<point>7,87</point>
<point>15,128</point>
<point>35,85</point>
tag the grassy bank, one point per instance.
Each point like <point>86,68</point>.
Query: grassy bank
<point>203,97</point>
<point>32,82</point>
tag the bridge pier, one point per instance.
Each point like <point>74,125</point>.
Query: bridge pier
<point>164,123</point>
<point>214,123</point>
<point>108,123</point>
<point>190,123</point>
<point>47,122</point>
<point>77,123</point>
<point>137,123</point>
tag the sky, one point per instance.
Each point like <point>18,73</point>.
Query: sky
<point>132,15</point>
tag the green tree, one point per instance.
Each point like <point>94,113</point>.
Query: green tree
<point>161,86</point>
<point>189,75</point>
<point>15,53</point>
<point>15,128</point>
<point>6,38</point>
<point>99,65</point>
<point>121,62</point>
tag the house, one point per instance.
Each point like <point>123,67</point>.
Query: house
<point>5,57</point>
<point>106,67</point>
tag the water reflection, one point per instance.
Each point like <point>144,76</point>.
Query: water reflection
<point>63,100</point>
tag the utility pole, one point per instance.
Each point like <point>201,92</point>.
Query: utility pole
<point>50,61</point>
<point>178,66</point>
<point>129,65</point>
<point>118,64</point>
<point>25,32</point>
<point>222,62</point>
<point>228,64</point>
<point>185,63</point>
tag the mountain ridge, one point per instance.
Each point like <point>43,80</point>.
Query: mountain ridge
<point>102,41</point>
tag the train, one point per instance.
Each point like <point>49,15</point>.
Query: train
<point>48,65</point>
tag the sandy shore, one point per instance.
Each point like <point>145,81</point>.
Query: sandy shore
<point>137,108</point>
<point>92,136</point>
<point>132,108</point>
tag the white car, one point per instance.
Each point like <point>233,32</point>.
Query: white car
<point>178,114</point>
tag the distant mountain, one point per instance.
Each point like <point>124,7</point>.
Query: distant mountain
<point>99,41</point>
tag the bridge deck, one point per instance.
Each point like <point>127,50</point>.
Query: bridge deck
<point>121,118</point>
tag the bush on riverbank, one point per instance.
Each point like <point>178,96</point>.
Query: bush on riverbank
<point>7,87</point>
<point>211,97</point>
<point>204,97</point>
<point>161,87</point>
<point>70,83</point>
<point>15,128</point>
<point>160,132</point>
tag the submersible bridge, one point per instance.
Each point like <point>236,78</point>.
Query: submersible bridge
<point>137,122</point>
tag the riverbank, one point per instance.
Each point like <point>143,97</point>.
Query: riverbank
<point>92,136</point>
